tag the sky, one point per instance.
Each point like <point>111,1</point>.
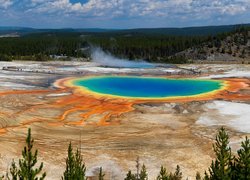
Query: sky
<point>122,14</point>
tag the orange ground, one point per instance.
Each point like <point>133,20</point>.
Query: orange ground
<point>111,108</point>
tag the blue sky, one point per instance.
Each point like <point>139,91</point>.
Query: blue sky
<point>122,13</point>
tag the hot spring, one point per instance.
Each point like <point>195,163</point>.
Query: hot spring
<point>146,87</point>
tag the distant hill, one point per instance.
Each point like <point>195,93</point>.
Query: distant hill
<point>228,47</point>
<point>164,45</point>
<point>186,31</point>
<point>26,31</point>
<point>19,30</point>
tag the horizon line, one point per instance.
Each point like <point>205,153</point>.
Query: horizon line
<point>170,27</point>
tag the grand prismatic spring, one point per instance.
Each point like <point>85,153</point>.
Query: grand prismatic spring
<point>120,116</point>
<point>117,94</point>
<point>146,87</point>
<point>111,96</point>
<point>143,88</point>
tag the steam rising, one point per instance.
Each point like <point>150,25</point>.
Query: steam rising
<point>106,59</point>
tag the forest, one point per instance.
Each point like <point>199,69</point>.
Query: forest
<point>131,45</point>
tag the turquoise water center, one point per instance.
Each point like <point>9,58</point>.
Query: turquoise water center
<point>147,87</point>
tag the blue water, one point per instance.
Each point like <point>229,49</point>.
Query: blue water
<point>143,87</point>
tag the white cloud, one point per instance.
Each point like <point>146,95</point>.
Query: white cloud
<point>92,7</point>
<point>151,8</point>
<point>5,3</point>
<point>233,9</point>
<point>129,12</point>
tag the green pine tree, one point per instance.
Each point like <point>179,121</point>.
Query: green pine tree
<point>206,176</point>
<point>137,175</point>
<point>101,175</point>
<point>75,167</point>
<point>143,173</point>
<point>220,169</point>
<point>69,172</point>
<point>163,175</point>
<point>26,169</point>
<point>242,166</point>
<point>80,168</point>
<point>198,176</point>
<point>177,174</point>
<point>13,170</point>
<point>130,176</point>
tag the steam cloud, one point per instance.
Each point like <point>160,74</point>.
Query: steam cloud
<point>106,59</point>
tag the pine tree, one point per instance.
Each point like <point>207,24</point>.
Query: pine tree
<point>130,176</point>
<point>177,175</point>
<point>137,168</point>
<point>143,174</point>
<point>101,175</point>
<point>75,167</point>
<point>220,169</point>
<point>206,176</point>
<point>243,161</point>
<point>163,175</point>
<point>13,170</point>
<point>28,162</point>
<point>80,168</point>
<point>69,172</point>
<point>198,176</point>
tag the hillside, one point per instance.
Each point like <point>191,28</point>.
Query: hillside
<point>229,47</point>
<point>185,31</point>
<point>232,46</point>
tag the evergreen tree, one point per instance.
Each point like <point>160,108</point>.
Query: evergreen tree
<point>143,174</point>
<point>137,175</point>
<point>27,170</point>
<point>130,176</point>
<point>69,172</point>
<point>243,161</point>
<point>13,170</point>
<point>163,175</point>
<point>177,175</point>
<point>75,167</point>
<point>101,175</point>
<point>206,176</point>
<point>80,168</point>
<point>220,169</point>
<point>198,176</point>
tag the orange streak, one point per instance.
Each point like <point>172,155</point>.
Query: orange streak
<point>108,109</point>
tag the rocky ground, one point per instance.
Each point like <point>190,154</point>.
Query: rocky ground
<point>159,133</point>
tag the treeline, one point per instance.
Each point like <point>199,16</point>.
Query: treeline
<point>61,44</point>
<point>130,45</point>
<point>150,47</point>
<point>160,48</point>
<point>225,166</point>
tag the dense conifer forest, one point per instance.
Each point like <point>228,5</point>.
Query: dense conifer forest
<point>126,44</point>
